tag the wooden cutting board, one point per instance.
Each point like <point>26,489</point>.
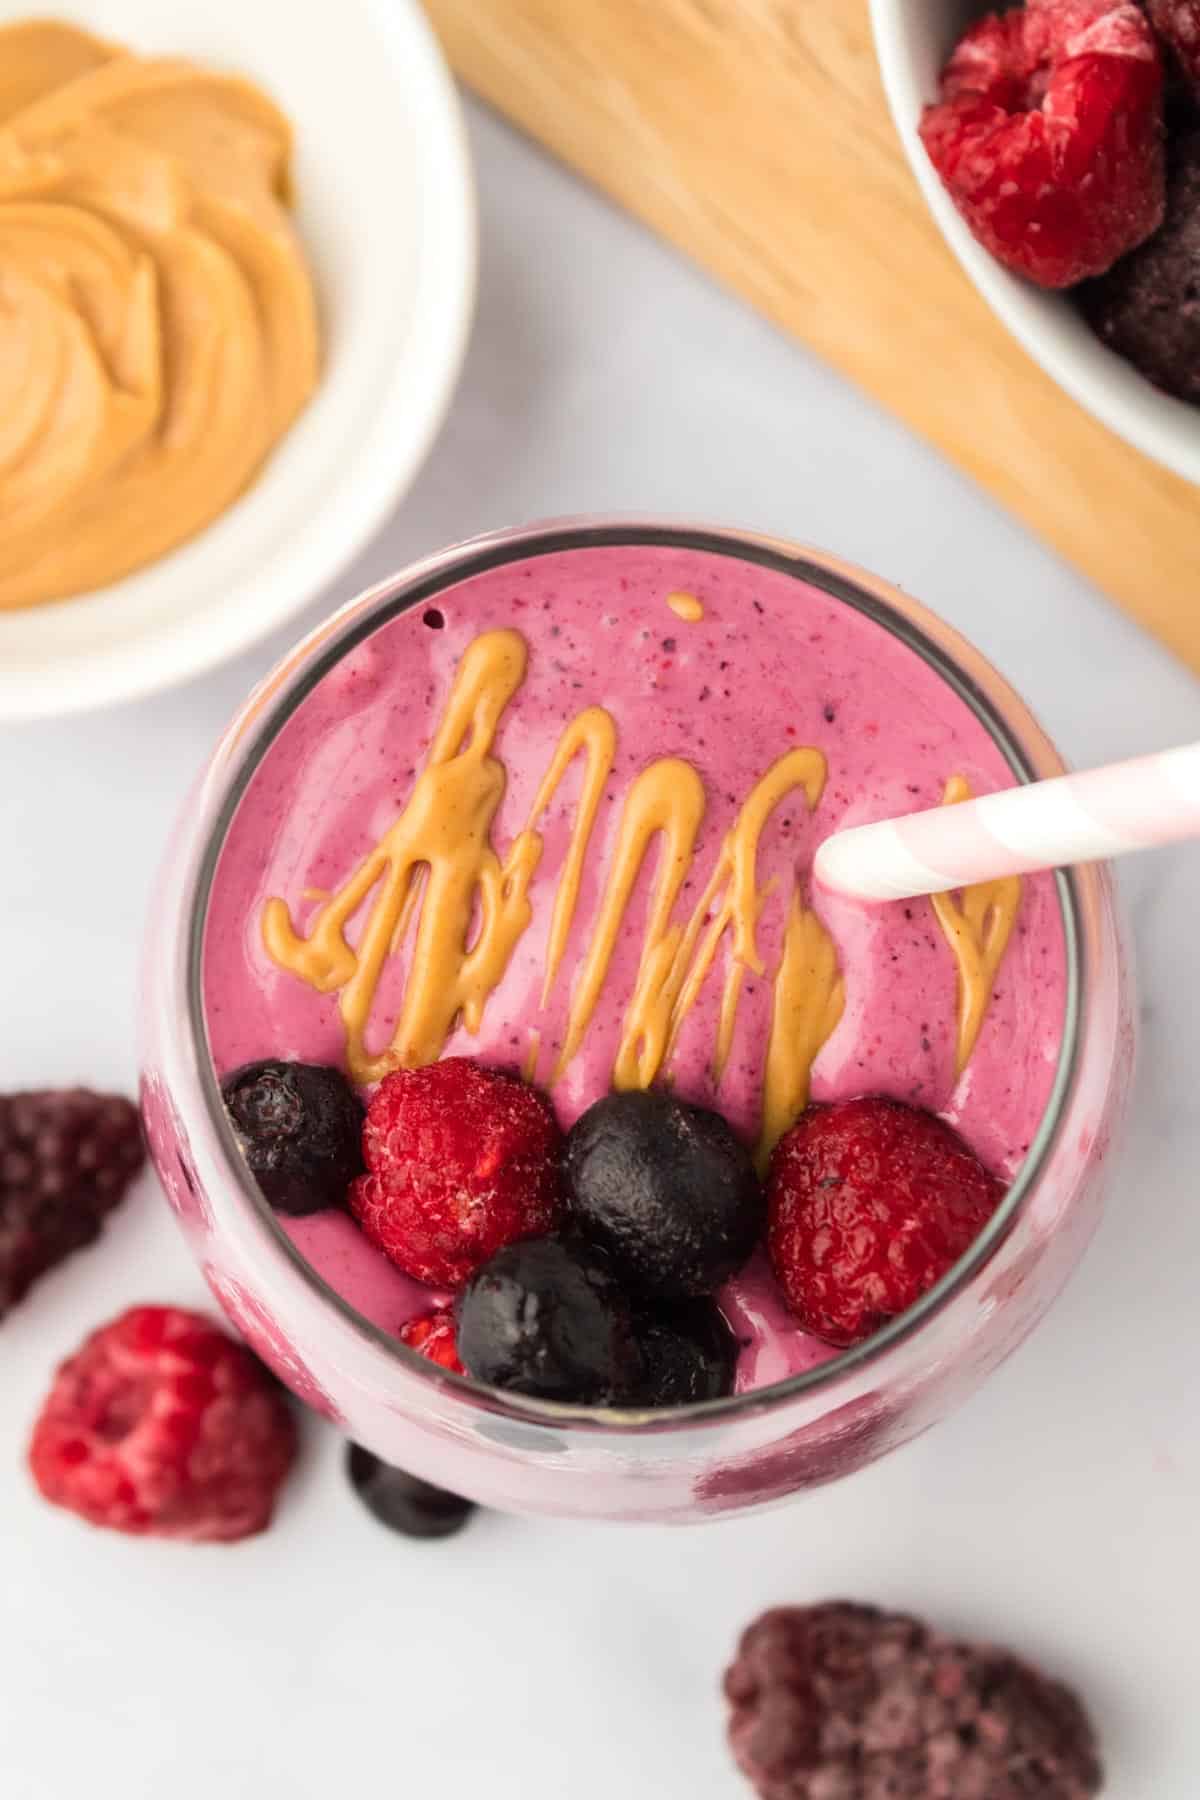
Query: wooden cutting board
<point>754,135</point>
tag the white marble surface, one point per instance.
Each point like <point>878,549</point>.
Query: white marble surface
<point>1058,1511</point>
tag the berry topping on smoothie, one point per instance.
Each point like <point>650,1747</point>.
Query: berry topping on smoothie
<point>666,1189</point>
<point>846,1702</point>
<point>549,1318</point>
<point>299,1128</point>
<point>1048,135</point>
<point>688,1354</point>
<point>435,1337</point>
<point>870,1203</point>
<point>67,1158</point>
<point>461,1160</point>
<point>160,1425</point>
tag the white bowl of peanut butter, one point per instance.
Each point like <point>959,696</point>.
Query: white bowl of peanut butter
<point>237,256</point>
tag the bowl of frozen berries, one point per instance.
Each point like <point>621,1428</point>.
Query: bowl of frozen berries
<point>1057,143</point>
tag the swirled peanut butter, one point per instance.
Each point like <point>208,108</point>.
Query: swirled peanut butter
<point>158,328</point>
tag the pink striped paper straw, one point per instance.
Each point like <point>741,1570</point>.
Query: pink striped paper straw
<point>1044,825</point>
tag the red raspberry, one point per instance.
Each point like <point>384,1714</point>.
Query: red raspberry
<point>1177,22</point>
<point>461,1160</point>
<point>433,1335</point>
<point>161,1425</point>
<point>869,1203</point>
<point>1049,136</point>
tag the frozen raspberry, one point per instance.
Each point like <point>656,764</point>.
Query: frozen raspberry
<point>1177,23</point>
<point>461,1160</point>
<point>161,1425</point>
<point>434,1336</point>
<point>1147,309</point>
<point>66,1159</point>
<point>869,1203</point>
<point>844,1702</point>
<point>1049,136</point>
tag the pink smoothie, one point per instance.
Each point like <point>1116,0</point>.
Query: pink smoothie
<point>772,664</point>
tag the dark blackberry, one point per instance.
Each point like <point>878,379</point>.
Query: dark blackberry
<point>667,1190</point>
<point>66,1159</point>
<point>844,1702</point>
<point>547,1318</point>
<point>689,1354</point>
<point>404,1502</point>
<point>299,1126</point>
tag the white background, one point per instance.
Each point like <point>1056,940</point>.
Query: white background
<point>1059,1511</point>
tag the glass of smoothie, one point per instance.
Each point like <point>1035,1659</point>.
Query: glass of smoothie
<point>549,801</point>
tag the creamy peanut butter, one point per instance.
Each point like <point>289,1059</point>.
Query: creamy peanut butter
<point>977,928</point>
<point>158,327</point>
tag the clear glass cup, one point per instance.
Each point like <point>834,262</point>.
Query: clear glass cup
<point>541,1457</point>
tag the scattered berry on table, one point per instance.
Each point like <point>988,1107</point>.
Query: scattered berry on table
<point>67,1158</point>
<point>666,1189</point>
<point>404,1502</point>
<point>161,1425</point>
<point>299,1126</point>
<point>845,1702</point>
<point>870,1202</point>
<point>461,1160</point>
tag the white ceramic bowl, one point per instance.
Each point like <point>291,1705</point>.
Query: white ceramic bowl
<point>914,38</point>
<point>386,206</point>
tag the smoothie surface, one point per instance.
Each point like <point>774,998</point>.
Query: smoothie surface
<point>749,715</point>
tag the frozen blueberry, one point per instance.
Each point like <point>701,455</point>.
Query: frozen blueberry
<point>404,1502</point>
<point>689,1354</point>
<point>547,1318</point>
<point>666,1189</point>
<point>299,1126</point>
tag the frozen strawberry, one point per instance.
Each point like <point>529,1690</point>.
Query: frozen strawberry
<point>461,1160</point>
<point>160,1425</point>
<point>870,1202</point>
<point>1049,136</point>
<point>433,1336</point>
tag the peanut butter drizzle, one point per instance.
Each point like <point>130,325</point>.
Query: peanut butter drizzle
<point>977,931</point>
<point>437,863</point>
<point>444,836</point>
<point>686,607</point>
<point>808,1000</point>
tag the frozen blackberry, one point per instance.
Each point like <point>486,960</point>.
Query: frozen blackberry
<point>404,1502</point>
<point>844,1702</point>
<point>666,1189</point>
<point>299,1126</point>
<point>547,1318</point>
<point>66,1159</point>
<point>1147,308</point>
<point>689,1354</point>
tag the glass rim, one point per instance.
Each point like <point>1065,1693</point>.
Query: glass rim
<point>295,678</point>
